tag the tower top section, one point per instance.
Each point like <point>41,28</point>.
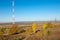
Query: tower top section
<point>13,16</point>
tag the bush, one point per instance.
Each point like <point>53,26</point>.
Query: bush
<point>13,29</point>
<point>20,30</point>
<point>1,32</point>
<point>34,27</point>
<point>48,32</point>
<point>29,31</point>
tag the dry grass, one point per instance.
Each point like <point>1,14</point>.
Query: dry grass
<point>27,34</point>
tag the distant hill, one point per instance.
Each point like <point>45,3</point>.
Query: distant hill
<point>30,22</point>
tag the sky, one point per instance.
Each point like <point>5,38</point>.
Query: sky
<point>30,10</point>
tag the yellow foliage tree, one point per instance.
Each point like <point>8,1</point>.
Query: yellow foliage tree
<point>45,26</point>
<point>34,27</point>
<point>45,30</point>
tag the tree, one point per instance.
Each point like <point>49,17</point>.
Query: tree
<point>45,29</point>
<point>34,27</point>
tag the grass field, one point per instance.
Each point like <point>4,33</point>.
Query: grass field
<point>25,32</point>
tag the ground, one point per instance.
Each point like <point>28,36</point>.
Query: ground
<point>54,34</point>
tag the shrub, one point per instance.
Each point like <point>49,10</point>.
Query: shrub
<point>48,32</point>
<point>20,30</point>
<point>50,25</point>
<point>34,27</point>
<point>1,32</point>
<point>39,34</point>
<point>28,31</point>
<point>13,29</point>
<point>45,26</point>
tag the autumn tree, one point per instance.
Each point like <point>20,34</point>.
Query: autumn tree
<point>34,27</point>
<point>46,31</point>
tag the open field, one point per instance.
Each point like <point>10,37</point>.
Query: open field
<point>25,32</point>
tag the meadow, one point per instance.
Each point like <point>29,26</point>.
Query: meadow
<point>30,31</point>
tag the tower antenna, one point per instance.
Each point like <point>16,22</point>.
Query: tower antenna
<point>13,16</point>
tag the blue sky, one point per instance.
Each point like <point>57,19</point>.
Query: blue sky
<point>30,10</point>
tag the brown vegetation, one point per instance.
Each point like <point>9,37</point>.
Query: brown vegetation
<point>31,33</point>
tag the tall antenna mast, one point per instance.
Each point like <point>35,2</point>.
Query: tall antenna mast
<point>13,17</point>
<point>55,20</point>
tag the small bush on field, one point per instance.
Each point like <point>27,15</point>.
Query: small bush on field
<point>15,30</point>
<point>50,25</point>
<point>12,30</point>
<point>1,32</point>
<point>39,34</point>
<point>34,27</point>
<point>48,32</point>
<point>29,31</point>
